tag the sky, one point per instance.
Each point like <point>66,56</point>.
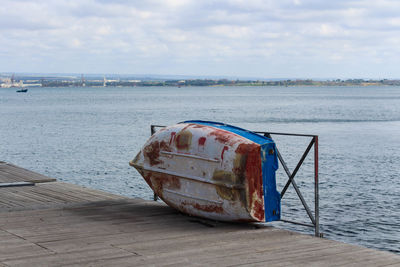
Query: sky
<point>234,38</point>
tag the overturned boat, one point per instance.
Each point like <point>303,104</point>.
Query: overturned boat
<point>212,170</point>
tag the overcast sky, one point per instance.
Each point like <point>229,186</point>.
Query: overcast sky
<point>257,38</point>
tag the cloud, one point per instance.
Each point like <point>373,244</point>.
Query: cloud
<point>292,38</point>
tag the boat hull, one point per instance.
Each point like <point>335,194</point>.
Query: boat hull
<point>213,171</point>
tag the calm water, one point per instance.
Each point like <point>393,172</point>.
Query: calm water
<point>87,136</point>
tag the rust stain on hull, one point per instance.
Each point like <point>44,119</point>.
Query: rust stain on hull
<point>253,178</point>
<point>159,181</point>
<point>164,146</point>
<point>227,193</point>
<point>183,140</point>
<point>205,208</point>
<point>224,137</point>
<point>208,208</point>
<point>224,177</point>
<point>152,153</point>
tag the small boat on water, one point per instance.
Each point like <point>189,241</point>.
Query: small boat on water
<point>22,90</point>
<point>212,170</point>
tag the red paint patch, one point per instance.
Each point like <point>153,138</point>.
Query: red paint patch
<point>172,138</point>
<point>202,141</point>
<point>223,151</point>
<point>221,136</point>
<point>225,137</point>
<point>254,178</point>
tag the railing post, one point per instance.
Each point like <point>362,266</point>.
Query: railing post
<point>316,189</point>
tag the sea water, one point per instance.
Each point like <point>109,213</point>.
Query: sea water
<point>88,135</point>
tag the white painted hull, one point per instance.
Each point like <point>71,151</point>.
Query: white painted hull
<point>204,171</point>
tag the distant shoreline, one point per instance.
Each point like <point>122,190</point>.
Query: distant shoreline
<point>76,81</point>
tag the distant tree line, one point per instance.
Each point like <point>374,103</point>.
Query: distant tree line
<point>215,82</point>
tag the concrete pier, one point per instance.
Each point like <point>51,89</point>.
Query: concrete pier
<point>44,222</point>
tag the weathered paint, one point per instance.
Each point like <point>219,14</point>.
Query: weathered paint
<point>206,171</point>
<point>152,153</point>
<point>269,164</point>
<point>223,151</point>
<point>206,208</point>
<point>202,141</point>
<point>183,140</point>
<point>253,176</point>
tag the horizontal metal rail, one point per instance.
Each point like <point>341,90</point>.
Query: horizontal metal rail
<point>15,184</point>
<point>291,175</point>
<point>291,134</point>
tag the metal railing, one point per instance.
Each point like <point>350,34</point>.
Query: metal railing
<point>291,175</point>
<point>314,142</point>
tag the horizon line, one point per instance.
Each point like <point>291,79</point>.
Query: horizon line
<point>190,76</point>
